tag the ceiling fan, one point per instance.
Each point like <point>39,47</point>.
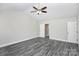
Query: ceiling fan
<point>39,10</point>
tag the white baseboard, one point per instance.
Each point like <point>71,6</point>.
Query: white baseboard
<point>4,45</point>
<point>63,40</point>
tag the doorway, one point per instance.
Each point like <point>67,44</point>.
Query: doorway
<point>46,30</point>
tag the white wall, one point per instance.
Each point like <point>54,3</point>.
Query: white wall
<point>58,28</point>
<point>78,29</point>
<point>16,26</point>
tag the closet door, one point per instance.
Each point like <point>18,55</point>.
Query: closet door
<point>72,32</point>
<point>42,30</point>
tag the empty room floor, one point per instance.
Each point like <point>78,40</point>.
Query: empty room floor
<point>40,47</point>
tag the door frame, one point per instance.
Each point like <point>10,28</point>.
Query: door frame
<point>42,30</point>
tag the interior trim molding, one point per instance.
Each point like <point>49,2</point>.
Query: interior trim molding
<point>62,40</point>
<point>4,45</point>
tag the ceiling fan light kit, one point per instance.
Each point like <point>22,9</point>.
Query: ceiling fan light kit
<point>39,10</point>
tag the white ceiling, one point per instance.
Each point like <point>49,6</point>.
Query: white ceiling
<point>14,6</point>
<point>54,10</point>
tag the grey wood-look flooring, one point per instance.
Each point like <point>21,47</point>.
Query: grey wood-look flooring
<point>40,47</point>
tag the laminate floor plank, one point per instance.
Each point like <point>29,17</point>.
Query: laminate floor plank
<point>40,47</point>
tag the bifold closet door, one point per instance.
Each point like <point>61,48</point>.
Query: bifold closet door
<point>72,32</point>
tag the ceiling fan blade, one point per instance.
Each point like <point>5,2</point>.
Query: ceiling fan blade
<point>44,11</point>
<point>35,8</point>
<point>43,8</point>
<point>33,11</point>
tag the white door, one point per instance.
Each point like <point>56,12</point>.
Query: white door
<point>42,30</point>
<point>72,32</point>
